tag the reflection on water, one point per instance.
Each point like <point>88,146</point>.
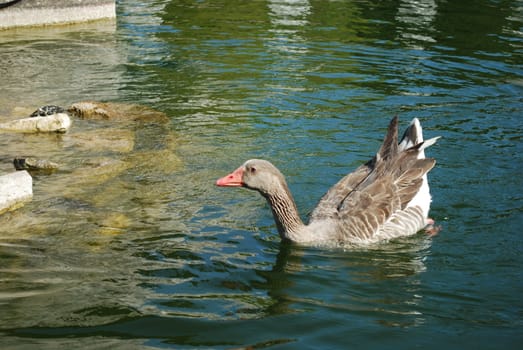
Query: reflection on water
<point>130,244</point>
<point>289,13</point>
<point>418,19</point>
<point>60,65</point>
<point>394,269</point>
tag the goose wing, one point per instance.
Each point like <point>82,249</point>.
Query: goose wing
<point>381,208</point>
<point>329,204</point>
<point>374,200</point>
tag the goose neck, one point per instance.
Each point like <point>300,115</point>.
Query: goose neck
<point>285,213</point>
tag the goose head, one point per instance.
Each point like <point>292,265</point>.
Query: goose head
<point>255,174</point>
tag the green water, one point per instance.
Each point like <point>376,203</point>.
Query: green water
<point>152,255</point>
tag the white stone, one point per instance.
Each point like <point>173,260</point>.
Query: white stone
<point>15,190</point>
<point>59,122</point>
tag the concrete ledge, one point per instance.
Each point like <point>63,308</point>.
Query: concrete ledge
<point>41,12</point>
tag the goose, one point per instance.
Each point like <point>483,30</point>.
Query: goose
<point>385,198</point>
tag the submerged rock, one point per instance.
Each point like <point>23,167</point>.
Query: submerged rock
<point>98,171</point>
<point>89,180</point>
<point>158,161</point>
<point>53,123</point>
<point>34,164</point>
<point>107,139</point>
<point>15,190</point>
<point>116,111</point>
<point>120,157</point>
<point>114,223</point>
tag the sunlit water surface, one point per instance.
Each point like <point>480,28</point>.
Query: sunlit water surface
<point>152,254</point>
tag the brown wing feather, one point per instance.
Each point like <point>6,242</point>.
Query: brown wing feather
<point>410,181</point>
<point>364,212</point>
<point>389,147</point>
<point>392,184</point>
<point>377,191</point>
<point>367,209</point>
<point>328,205</point>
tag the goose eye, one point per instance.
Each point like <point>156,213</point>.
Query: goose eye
<point>252,170</point>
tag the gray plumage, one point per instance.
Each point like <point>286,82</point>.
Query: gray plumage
<point>384,198</point>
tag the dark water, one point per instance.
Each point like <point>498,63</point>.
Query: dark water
<point>158,257</point>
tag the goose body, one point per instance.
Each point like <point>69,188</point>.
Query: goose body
<point>385,198</point>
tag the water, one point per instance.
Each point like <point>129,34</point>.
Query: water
<point>155,256</point>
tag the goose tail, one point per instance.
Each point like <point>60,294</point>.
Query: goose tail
<point>413,137</point>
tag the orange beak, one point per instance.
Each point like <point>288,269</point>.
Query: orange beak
<point>234,179</point>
